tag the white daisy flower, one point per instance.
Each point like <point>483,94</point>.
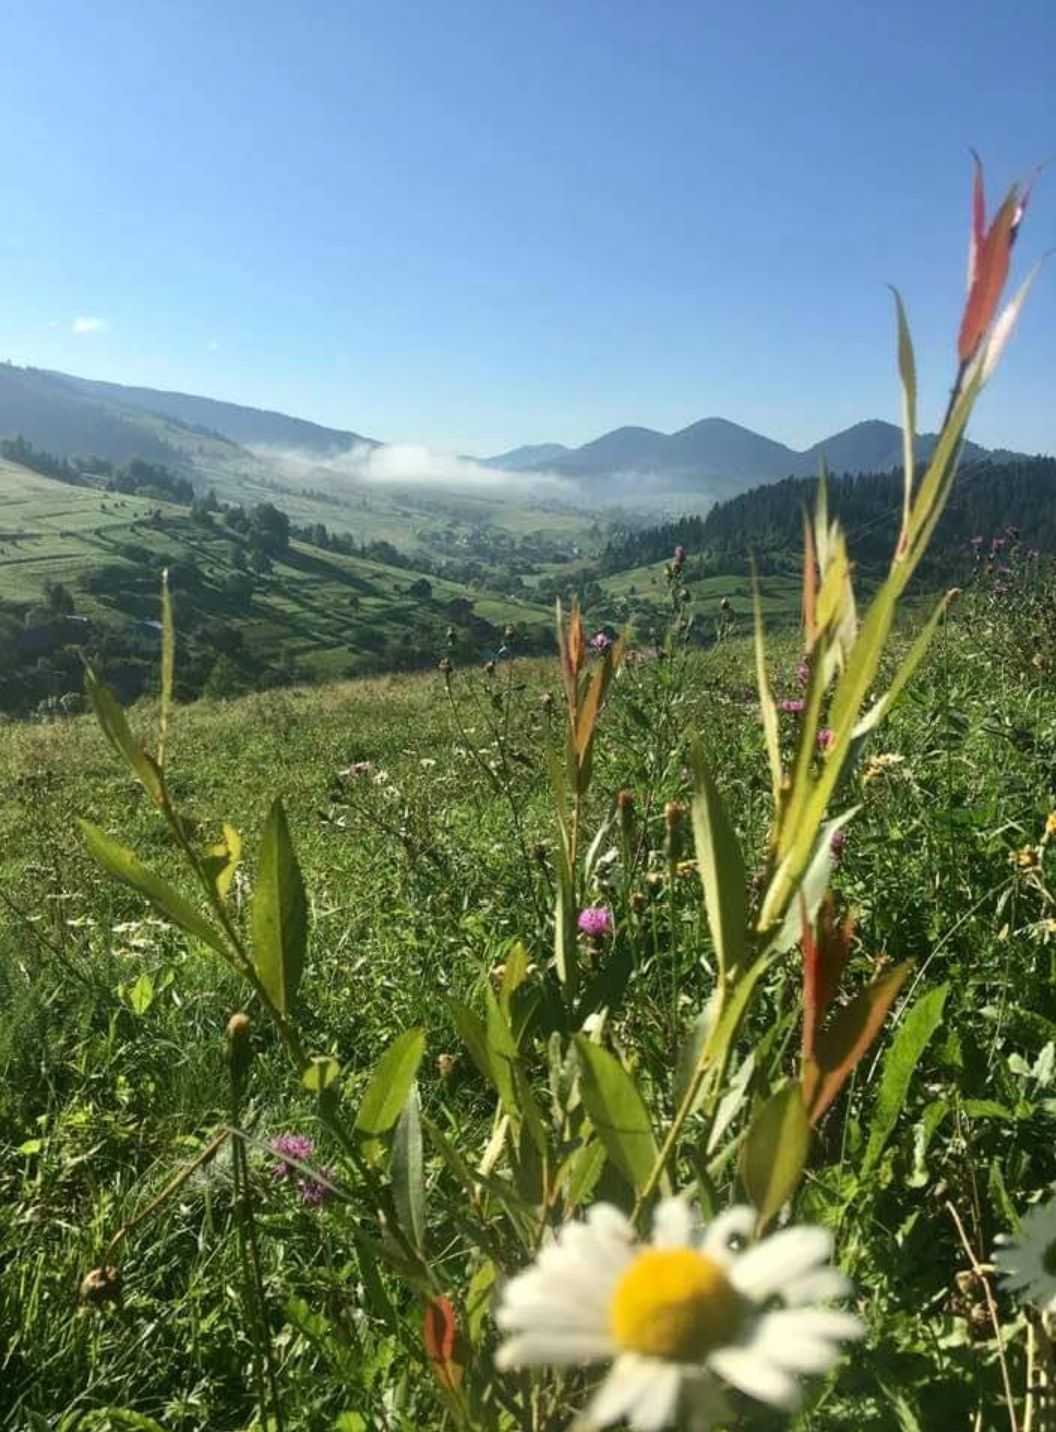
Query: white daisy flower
<point>1027,1264</point>
<point>694,1308</point>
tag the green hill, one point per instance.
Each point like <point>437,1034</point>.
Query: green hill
<point>80,567</point>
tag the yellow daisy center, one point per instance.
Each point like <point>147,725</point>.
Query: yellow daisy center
<point>674,1303</point>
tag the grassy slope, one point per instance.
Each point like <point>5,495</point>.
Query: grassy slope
<point>118,1099</point>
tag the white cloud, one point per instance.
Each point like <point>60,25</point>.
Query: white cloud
<point>85,323</point>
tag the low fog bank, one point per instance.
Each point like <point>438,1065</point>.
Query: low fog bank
<point>411,465</point>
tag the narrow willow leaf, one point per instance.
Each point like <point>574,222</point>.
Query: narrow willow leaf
<point>775,1151</point>
<point>900,1062</point>
<point>112,719</point>
<point>168,663</point>
<point>440,1335</point>
<point>408,1177</point>
<point>479,1296</point>
<point>907,372</point>
<point>908,666</point>
<point>721,867</point>
<point>617,1111</point>
<point>389,1087</point>
<point>582,1171</point>
<point>470,1029</point>
<point>767,707</point>
<point>279,913</point>
<point>501,1051</point>
<point>513,975</point>
<point>839,1047</point>
<point>127,867</point>
<point>811,889</point>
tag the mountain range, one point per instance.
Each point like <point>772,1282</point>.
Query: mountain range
<point>719,456</point>
<point>210,439</point>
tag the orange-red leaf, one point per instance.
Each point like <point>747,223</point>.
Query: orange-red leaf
<point>838,1048</point>
<point>825,956</point>
<point>440,1335</point>
<point>991,260</point>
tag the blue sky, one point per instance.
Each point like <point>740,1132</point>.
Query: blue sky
<point>477,223</point>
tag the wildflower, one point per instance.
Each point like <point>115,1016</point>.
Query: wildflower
<point>877,765</point>
<point>445,1065</point>
<point>290,1146</point>
<point>1029,858</point>
<point>836,845</point>
<point>595,921</point>
<point>688,1311</point>
<point>313,1192</point>
<point>357,768</point>
<point>803,673</point>
<point>1027,1264</point>
<point>600,643</point>
<point>997,544</point>
<point>1050,824</point>
<point>826,736</point>
<point>680,554</point>
<point>792,706</point>
<point>977,541</point>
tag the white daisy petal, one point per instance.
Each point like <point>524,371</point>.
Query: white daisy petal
<point>559,1348</point>
<point>607,1219</point>
<point>673,1224</point>
<point>764,1269</point>
<point>657,1400</point>
<point>804,1339</point>
<point>763,1380</point>
<point>620,1391</point>
<point>817,1287</point>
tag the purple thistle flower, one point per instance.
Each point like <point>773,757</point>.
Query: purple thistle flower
<point>803,673</point>
<point>836,844</point>
<point>600,641</point>
<point>595,921</point>
<point>826,736</point>
<point>313,1193</point>
<point>290,1146</point>
<point>996,544</point>
<point>977,541</point>
<point>792,705</point>
<point>680,554</point>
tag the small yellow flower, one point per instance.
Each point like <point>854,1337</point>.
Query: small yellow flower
<point>1029,858</point>
<point>1050,824</point>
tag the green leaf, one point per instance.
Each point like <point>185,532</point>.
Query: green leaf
<point>899,1064</point>
<point>321,1071</point>
<point>127,867</point>
<point>408,1179</point>
<point>907,372</point>
<point>389,1087</point>
<point>141,995</point>
<point>470,1029</point>
<point>116,729</point>
<point>502,1055</point>
<point>617,1111</point>
<point>721,868</point>
<point>279,914</point>
<point>775,1151</point>
<point>222,861</point>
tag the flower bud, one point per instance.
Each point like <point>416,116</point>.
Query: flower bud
<point>101,1286</point>
<point>445,1065</point>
